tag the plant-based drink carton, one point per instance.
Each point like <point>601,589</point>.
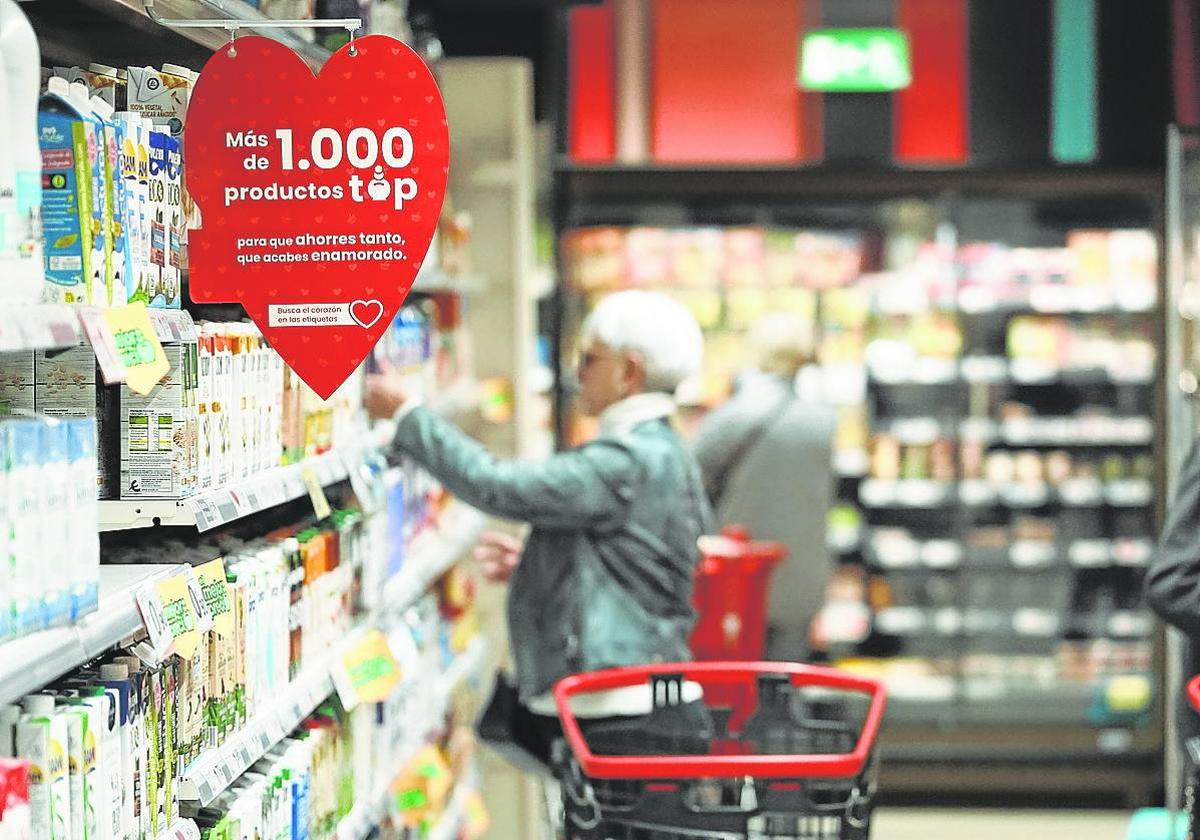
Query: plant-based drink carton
<point>64,137</point>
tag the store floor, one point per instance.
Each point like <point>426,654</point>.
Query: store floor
<point>980,824</point>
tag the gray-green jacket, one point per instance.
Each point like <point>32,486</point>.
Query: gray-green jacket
<point>606,575</point>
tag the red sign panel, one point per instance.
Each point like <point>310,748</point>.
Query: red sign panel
<point>319,196</point>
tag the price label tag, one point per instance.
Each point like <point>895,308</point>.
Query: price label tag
<point>179,613</point>
<point>155,620</point>
<point>202,511</point>
<point>217,598</point>
<point>240,503</point>
<point>366,672</point>
<point>204,617</point>
<point>104,345</point>
<point>264,741</point>
<point>316,492</point>
<point>137,346</point>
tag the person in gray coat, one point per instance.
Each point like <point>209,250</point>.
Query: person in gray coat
<point>605,576</point>
<point>766,460</point>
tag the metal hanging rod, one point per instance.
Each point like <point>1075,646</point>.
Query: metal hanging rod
<point>234,24</point>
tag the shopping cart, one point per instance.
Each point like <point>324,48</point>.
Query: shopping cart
<point>1192,745</point>
<point>794,759</point>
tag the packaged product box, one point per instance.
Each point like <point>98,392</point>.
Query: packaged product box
<point>160,95</point>
<point>160,216</point>
<point>122,163</point>
<point>108,83</point>
<point>41,739</point>
<point>157,430</point>
<point>83,526</point>
<point>204,411</point>
<point>28,579</point>
<point>135,170</point>
<point>72,74</point>
<point>114,204</point>
<point>66,196</point>
<point>99,276</point>
<point>53,545</point>
<point>170,291</point>
<point>68,384</point>
<point>16,383</point>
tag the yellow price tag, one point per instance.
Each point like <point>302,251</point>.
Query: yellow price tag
<point>316,492</point>
<point>215,589</point>
<point>137,346</point>
<point>179,614</point>
<point>1128,693</point>
<point>367,672</point>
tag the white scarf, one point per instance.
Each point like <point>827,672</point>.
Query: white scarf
<point>623,415</point>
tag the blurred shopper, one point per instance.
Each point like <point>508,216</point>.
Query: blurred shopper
<point>605,576</point>
<point>766,460</point>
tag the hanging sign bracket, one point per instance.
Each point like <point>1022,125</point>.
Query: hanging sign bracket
<point>351,25</point>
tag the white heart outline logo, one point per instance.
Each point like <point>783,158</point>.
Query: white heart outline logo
<point>361,304</point>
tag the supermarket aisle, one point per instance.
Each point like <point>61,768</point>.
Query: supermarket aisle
<point>976,824</point>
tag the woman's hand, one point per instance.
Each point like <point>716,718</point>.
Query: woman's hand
<point>385,396</point>
<point>499,553</point>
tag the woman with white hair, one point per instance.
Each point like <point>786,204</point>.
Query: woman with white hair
<point>605,576</point>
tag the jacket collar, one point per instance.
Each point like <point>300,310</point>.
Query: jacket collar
<point>624,416</point>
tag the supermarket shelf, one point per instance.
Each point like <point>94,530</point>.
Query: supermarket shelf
<point>591,187</point>
<point>1125,493</point>
<point>218,768</point>
<point>1056,299</point>
<point>1001,370</point>
<point>368,813</point>
<point>851,463</point>
<point>432,553</point>
<point>950,555</point>
<point>29,663</point>
<point>1005,701</point>
<point>214,508</point>
<point>906,493</point>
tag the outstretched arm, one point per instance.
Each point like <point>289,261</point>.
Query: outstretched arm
<point>591,487</point>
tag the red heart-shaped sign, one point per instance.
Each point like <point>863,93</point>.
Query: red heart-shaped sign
<point>297,161</point>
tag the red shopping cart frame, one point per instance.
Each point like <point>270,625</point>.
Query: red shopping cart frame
<point>844,765</point>
<point>1193,692</point>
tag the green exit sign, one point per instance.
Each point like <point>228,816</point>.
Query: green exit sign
<point>855,60</point>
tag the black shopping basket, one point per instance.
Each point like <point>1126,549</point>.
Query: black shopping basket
<point>729,751</point>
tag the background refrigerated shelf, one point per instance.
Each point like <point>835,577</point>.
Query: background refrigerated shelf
<point>29,663</point>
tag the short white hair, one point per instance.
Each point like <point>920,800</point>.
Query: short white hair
<point>660,330</point>
<point>781,343</point>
